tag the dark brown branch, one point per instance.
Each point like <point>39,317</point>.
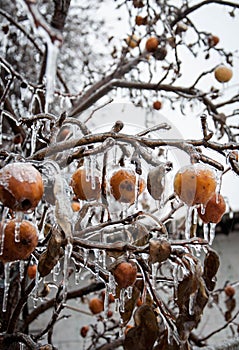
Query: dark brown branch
<point>183,14</point>
<point>60,14</point>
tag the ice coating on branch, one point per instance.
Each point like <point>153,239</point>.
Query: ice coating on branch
<point>63,210</point>
<point>51,69</point>
<point>7,267</point>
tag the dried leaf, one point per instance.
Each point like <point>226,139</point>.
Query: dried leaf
<point>159,250</point>
<point>211,265</point>
<point>49,258</point>
<point>146,331</point>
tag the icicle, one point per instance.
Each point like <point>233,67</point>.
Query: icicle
<point>2,237</point>
<point>219,184</point>
<point>212,230</point>
<point>35,291</point>
<point>129,291</point>
<point>106,302</point>
<point>7,269</point>
<point>21,269</point>
<point>104,256</point>
<point>87,168</point>
<point>115,155</point>
<point>202,208</point>
<point>1,117</point>
<point>231,214</point>
<point>192,300</point>
<point>18,220</point>
<point>23,91</point>
<point>154,274</point>
<point>56,271</point>
<point>92,171</point>
<point>77,275</point>
<point>117,305</point>
<point>111,284</point>
<point>188,222</point>
<point>67,257</point>
<point>34,128</point>
<point>205,232</point>
<point>136,201</point>
<point>198,249</point>
<point>51,69</point>
<point>122,300</point>
<point>97,269</point>
<point>85,255</point>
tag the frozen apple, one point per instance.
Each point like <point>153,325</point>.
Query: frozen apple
<point>21,249</point>
<point>152,44</point>
<point>21,186</point>
<point>96,305</point>
<point>123,186</point>
<point>125,274</point>
<point>83,187</point>
<point>195,184</point>
<point>214,209</point>
<point>223,74</point>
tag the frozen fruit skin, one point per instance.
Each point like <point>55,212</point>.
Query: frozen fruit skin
<point>223,74</point>
<point>152,44</point>
<point>21,186</point>
<point>21,250</point>
<point>82,188</point>
<point>31,271</point>
<point>157,105</point>
<point>125,274</point>
<point>96,305</point>
<point>122,185</point>
<point>214,210</point>
<point>195,184</point>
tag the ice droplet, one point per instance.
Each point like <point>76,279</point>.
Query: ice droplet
<point>7,267</point>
